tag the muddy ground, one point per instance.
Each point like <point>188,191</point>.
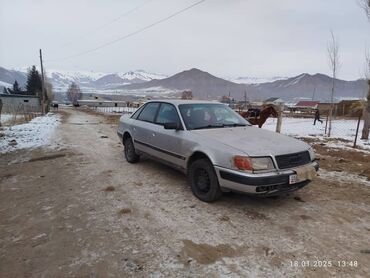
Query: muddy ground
<point>82,211</point>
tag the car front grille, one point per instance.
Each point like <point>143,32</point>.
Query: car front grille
<point>293,160</point>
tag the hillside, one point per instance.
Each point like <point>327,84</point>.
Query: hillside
<point>201,83</point>
<point>206,86</point>
<point>317,86</point>
<point>7,78</point>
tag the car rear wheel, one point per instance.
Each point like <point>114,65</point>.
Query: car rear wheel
<point>203,180</point>
<point>130,152</point>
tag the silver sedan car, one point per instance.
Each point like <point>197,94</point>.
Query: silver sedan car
<point>217,149</point>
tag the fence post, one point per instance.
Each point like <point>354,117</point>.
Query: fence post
<point>280,117</point>
<point>326,123</point>
<point>358,127</point>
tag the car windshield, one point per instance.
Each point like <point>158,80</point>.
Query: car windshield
<point>209,115</point>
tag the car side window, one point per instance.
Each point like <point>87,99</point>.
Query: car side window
<point>167,114</point>
<point>149,112</point>
<point>137,112</point>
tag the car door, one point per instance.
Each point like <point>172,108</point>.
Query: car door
<point>144,127</point>
<point>169,142</point>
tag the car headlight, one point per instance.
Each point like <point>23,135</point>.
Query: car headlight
<point>253,163</point>
<point>312,154</point>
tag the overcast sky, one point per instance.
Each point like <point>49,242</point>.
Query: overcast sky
<point>261,38</point>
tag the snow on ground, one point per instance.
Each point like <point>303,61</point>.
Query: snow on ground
<point>115,110</point>
<point>36,133</point>
<point>6,118</point>
<point>344,177</point>
<point>301,127</point>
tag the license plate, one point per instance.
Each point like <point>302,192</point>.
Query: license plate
<point>293,179</point>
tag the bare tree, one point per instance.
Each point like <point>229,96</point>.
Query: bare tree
<point>187,95</point>
<point>365,4</point>
<point>1,107</point>
<point>74,93</point>
<point>334,63</point>
<point>366,111</point>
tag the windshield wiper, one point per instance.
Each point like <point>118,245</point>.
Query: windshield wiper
<point>218,126</point>
<point>208,126</point>
<point>234,125</point>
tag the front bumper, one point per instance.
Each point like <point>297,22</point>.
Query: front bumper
<point>264,184</point>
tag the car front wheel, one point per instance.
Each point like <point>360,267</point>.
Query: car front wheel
<point>203,180</point>
<point>130,152</point>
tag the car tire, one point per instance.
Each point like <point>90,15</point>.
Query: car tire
<point>130,152</point>
<point>203,181</point>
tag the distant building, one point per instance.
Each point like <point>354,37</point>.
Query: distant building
<point>324,107</point>
<point>307,105</point>
<point>344,107</point>
<point>273,101</point>
<point>20,103</point>
<point>101,103</point>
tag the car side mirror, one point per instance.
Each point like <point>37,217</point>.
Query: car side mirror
<point>175,126</point>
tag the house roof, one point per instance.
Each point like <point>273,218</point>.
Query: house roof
<point>15,95</point>
<point>272,99</point>
<point>306,103</point>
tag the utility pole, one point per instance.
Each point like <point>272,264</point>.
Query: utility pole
<point>42,86</point>
<point>280,117</point>
<point>313,94</point>
<point>245,99</point>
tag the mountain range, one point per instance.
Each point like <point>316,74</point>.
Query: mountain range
<point>203,84</point>
<point>304,86</point>
<point>87,80</point>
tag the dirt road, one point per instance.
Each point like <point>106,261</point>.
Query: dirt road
<point>83,211</point>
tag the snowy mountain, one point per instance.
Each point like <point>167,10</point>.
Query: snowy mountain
<point>206,86</point>
<point>317,86</point>
<point>203,84</point>
<point>111,81</point>
<point>7,78</point>
<point>87,80</point>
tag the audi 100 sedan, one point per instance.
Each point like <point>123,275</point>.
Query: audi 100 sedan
<point>217,149</point>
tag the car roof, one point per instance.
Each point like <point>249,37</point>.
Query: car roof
<point>183,101</point>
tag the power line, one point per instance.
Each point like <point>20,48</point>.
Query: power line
<point>108,23</point>
<point>132,33</point>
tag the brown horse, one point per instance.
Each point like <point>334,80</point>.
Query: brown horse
<point>264,115</point>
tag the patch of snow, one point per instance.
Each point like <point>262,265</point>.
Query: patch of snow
<point>5,118</point>
<point>6,85</point>
<point>255,80</point>
<point>115,110</point>
<point>343,177</point>
<point>296,80</point>
<point>140,74</point>
<point>303,127</point>
<point>36,133</point>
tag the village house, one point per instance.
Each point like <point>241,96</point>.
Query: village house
<point>306,106</point>
<point>274,101</point>
<point>20,103</point>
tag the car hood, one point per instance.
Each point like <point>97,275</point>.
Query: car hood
<point>254,141</point>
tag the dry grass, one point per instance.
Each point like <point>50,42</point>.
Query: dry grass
<point>109,188</point>
<point>124,211</point>
<point>224,218</point>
